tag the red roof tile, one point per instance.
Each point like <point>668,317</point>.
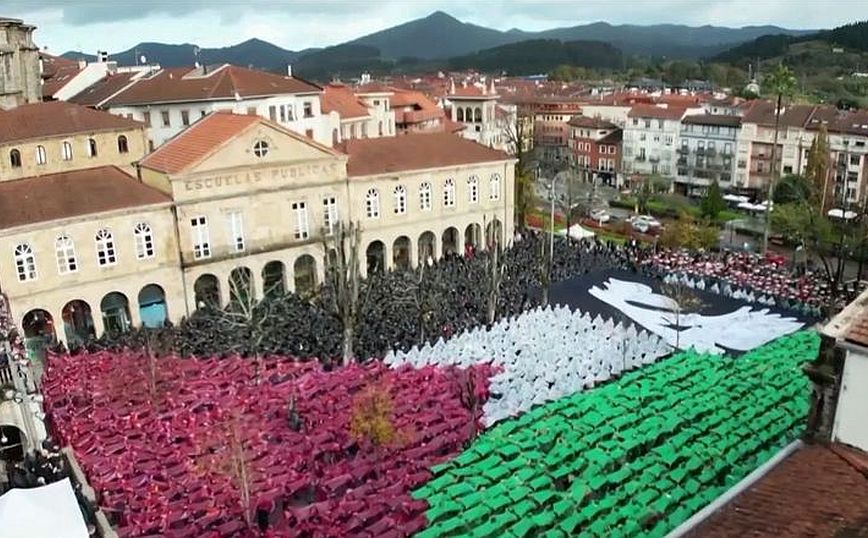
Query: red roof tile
<point>57,118</point>
<point>198,141</point>
<point>656,112</point>
<point>373,87</point>
<point>341,99</point>
<point>471,92</point>
<point>817,491</point>
<point>57,71</point>
<point>96,94</point>
<point>371,156</point>
<point>184,84</point>
<point>591,122</point>
<point>858,332</point>
<point>72,194</point>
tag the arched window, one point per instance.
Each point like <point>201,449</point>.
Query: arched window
<point>425,196</point>
<point>123,146</point>
<point>105,248</point>
<point>372,203</point>
<point>449,193</point>
<point>468,114</point>
<point>459,114</point>
<point>144,239</point>
<point>15,158</point>
<point>64,250</point>
<point>67,151</point>
<point>25,262</point>
<point>400,200</point>
<point>473,189</point>
<point>260,148</point>
<point>40,155</point>
<point>478,117</point>
<point>494,193</point>
<point>91,147</point>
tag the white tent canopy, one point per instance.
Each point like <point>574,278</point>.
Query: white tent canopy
<point>578,232</point>
<point>45,512</point>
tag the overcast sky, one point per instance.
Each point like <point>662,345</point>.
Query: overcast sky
<point>117,25</point>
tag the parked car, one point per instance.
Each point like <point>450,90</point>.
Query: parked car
<point>647,219</point>
<point>601,215</point>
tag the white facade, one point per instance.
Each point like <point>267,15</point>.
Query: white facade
<point>616,114</point>
<point>298,112</point>
<point>851,416</point>
<point>381,117</point>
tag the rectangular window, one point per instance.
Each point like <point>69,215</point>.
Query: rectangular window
<point>146,117</point>
<point>203,113</point>
<point>282,114</point>
<point>166,121</point>
<point>299,209</point>
<point>236,231</point>
<point>308,109</point>
<point>272,113</point>
<point>330,214</point>
<point>185,118</point>
<point>855,159</point>
<point>201,238</point>
<point>251,111</point>
<point>727,149</point>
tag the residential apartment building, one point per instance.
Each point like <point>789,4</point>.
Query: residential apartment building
<point>233,208</point>
<point>551,131</point>
<point>349,116</point>
<point>377,98</point>
<point>47,138</point>
<point>20,76</point>
<point>651,137</point>
<point>170,100</point>
<point>596,145</point>
<point>416,113</point>
<point>706,152</point>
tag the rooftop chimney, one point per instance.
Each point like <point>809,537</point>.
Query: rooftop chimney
<point>101,56</point>
<point>289,70</point>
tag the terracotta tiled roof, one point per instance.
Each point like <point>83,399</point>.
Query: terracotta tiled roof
<point>817,491</point>
<point>198,141</point>
<point>656,112</point>
<point>372,156</point>
<point>453,126</point>
<point>184,84</point>
<point>858,331</point>
<point>96,94</point>
<point>57,118</point>
<point>615,137</point>
<point>763,113</point>
<point>341,99</point>
<point>591,122</point>
<point>373,87</point>
<point>72,194</point>
<point>57,71</point>
<point>471,92</point>
<point>721,120</point>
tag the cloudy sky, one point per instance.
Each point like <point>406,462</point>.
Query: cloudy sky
<point>117,25</point>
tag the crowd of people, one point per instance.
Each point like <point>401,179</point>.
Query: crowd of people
<point>403,308</point>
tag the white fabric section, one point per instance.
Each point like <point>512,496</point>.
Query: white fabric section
<point>45,512</point>
<point>741,330</point>
<point>545,354</point>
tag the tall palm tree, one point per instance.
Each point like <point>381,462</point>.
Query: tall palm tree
<point>782,83</point>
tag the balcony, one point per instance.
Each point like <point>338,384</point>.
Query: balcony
<point>640,158</point>
<point>682,161</point>
<point>711,152</point>
<point>683,150</point>
<point>700,151</point>
<point>654,159</point>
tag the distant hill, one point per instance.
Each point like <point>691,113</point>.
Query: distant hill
<point>852,36</point>
<point>541,55</point>
<point>251,53</point>
<point>341,61</point>
<point>440,35</point>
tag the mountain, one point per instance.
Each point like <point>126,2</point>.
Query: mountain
<point>540,56</point>
<point>670,40</point>
<point>253,53</point>
<point>438,35</point>
<point>851,36</point>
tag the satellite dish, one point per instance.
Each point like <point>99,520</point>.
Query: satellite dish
<point>142,59</point>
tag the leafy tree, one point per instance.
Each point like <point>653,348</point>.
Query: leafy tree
<point>371,419</point>
<point>817,169</point>
<point>687,233</point>
<point>712,203</point>
<point>791,189</point>
<point>782,83</point>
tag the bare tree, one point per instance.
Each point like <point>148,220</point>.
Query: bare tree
<point>344,278</point>
<point>685,300</point>
<point>496,269</point>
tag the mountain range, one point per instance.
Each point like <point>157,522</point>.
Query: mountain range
<point>440,36</point>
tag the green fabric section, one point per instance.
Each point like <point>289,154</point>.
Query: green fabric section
<point>634,457</point>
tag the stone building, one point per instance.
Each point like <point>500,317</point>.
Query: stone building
<point>255,201</point>
<point>20,77</point>
<point>706,152</point>
<point>87,250</point>
<point>51,137</point>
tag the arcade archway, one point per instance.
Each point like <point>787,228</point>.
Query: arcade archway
<point>207,291</point>
<point>77,323</point>
<point>304,275</point>
<point>376,257</point>
<point>115,310</point>
<point>401,253</point>
<point>152,306</point>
